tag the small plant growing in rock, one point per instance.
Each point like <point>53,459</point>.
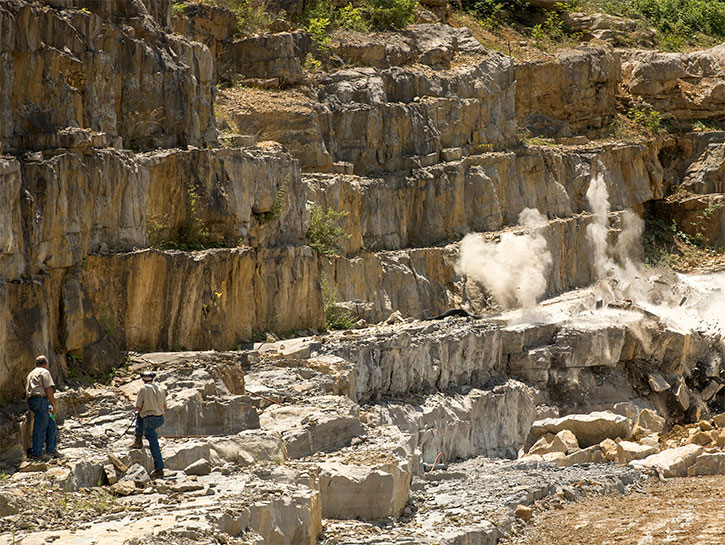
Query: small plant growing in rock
<point>335,316</point>
<point>325,234</point>
<point>390,14</point>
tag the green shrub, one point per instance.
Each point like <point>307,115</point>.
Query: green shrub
<point>678,22</point>
<point>319,29</point>
<point>352,18</point>
<point>648,119</point>
<point>390,14</point>
<point>325,233</point>
<point>335,316</point>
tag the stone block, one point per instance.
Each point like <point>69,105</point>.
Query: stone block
<point>364,492</point>
<point>708,464</point>
<point>200,467</point>
<point>327,423</point>
<point>589,455</point>
<point>628,451</point>
<point>589,429</point>
<point>672,462</point>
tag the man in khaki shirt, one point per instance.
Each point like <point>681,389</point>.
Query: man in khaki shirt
<point>39,390</point>
<point>150,404</point>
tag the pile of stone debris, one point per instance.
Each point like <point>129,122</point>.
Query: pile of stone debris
<point>601,437</point>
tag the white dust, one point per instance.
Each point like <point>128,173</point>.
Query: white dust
<point>515,269</point>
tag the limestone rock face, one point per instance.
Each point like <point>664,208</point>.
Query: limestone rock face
<point>574,93</point>
<point>109,67</point>
<point>687,85</point>
<point>589,429</point>
<point>482,422</point>
<point>229,281</point>
<point>356,113</point>
<point>481,193</point>
<point>366,492</point>
<point>705,175</point>
<point>269,56</point>
<point>672,462</point>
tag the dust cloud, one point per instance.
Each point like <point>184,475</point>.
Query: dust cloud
<point>515,269</point>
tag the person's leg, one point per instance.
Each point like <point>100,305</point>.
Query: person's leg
<point>138,432</point>
<point>39,406</point>
<point>150,425</point>
<point>51,437</point>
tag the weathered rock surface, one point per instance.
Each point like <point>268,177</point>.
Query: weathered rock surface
<point>688,86</point>
<point>573,94</point>
<point>481,193</point>
<point>325,423</point>
<point>357,111</point>
<point>75,68</point>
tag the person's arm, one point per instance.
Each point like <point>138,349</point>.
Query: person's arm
<point>139,401</point>
<point>51,398</point>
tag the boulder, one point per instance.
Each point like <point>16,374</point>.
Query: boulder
<point>589,429</point>
<point>524,512</point>
<point>719,420</point>
<point>125,488</point>
<point>9,504</point>
<point>200,467</point>
<point>628,451</point>
<point>708,464</point>
<point>701,438</point>
<point>648,422</point>
<point>590,455</point>
<point>609,450</point>
<point>366,492</point>
<point>672,462</point>
<point>563,442</point>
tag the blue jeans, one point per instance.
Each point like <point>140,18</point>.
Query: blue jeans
<point>147,427</point>
<point>45,431</point>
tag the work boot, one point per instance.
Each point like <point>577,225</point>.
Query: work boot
<point>55,454</point>
<point>157,474</point>
<point>138,442</point>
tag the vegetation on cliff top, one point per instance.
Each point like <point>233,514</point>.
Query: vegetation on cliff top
<point>680,24</point>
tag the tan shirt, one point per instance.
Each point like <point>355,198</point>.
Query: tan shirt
<point>38,380</point>
<point>151,399</point>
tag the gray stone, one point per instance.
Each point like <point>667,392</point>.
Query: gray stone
<point>200,467</point>
<point>135,474</point>
<point>589,429</point>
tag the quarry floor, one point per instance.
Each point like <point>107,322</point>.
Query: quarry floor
<point>684,511</point>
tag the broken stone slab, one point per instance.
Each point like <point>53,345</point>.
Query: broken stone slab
<point>589,429</point>
<point>629,450</point>
<point>682,395</point>
<point>564,442</point>
<point>109,470</point>
<point>249,446</point>
<point>672,462</point>
<point>29,466</point>
<point>708,464</point>
<point>190,413</point>
<point>648,422</point>
<point>589,455</point>
<point>366,492</point>
<point>136,474</point>
<point>125,488</point>
<point>117,463</point>
<point>327,423</point>
<point>200,467</point>
<point>658,383</point>
<point>711,390</point>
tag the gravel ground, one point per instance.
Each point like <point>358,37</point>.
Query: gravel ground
<point>687,511</point>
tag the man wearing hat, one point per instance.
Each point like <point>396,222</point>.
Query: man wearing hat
<point>39,390</point>
<point>150,404</point>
